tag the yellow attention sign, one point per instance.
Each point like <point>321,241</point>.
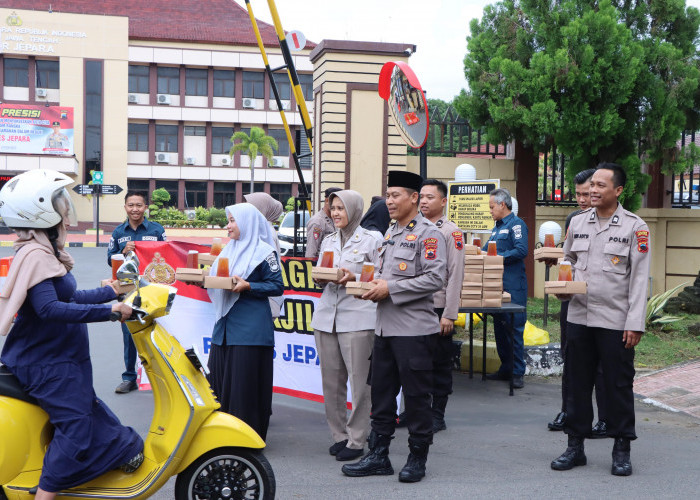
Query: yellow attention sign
<point>468,204</point>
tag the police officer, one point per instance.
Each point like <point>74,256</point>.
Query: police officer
<point>609,249</point>
<point>57,140</point>
<point>124,236</point>
<point>433,199</point>
<point>510,235</point>
<point>412,269</point>
<point>319,226</point>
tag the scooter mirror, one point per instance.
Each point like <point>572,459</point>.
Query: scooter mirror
<point>128,271</point>
<point>131,256</point>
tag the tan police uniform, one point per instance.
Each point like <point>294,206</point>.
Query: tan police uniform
<point>613,257</point>
<point>318,227</point>
<point>57,141</point>
<point>344,332</point>
<point>413,260</point>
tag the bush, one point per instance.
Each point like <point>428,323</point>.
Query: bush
<point>160,196</point>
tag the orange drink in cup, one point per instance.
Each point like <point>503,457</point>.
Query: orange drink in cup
<point>327,259</point>
<point>216,246</point>
<point>222,267</point>
<point>117,261</point>
<point>193,259</point>
<point>565,271</point>
<point>476,242</point>
<point>549,241</point>
<point>367,272</point>
<point>492,249</point>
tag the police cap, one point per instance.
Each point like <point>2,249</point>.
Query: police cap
<point>400,178</point>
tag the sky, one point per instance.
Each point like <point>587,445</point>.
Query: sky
<point>437,27</point>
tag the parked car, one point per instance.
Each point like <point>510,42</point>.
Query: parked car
<point>687,199</point>
<point>285,233</point>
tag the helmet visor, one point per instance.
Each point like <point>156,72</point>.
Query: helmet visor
<point>63,204</point>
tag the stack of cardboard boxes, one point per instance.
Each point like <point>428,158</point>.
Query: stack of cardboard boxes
<point>483,279</point>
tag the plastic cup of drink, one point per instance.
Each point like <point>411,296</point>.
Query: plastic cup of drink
<point>193,259</point>
<point>222,267</point>
<point>117,261</point>
<point>216,246</point>
<point>367,272</point>
<point>565,271</point>
<point>549,241</point>
<point>476,242</point>
<point>327,259</point>
<point>492,249</point>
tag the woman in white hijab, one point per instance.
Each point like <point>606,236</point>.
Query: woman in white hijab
<point>344,327</point>
<point>243,340</point>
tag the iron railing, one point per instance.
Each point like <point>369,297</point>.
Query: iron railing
<point>553,188</point>
<point>451,135</point>
<point>685,187</point>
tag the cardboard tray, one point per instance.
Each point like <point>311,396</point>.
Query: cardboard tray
<point>472,269</point>
<point>495,285</point>
<point>206,259</point>
<point>358,288</point>
<point>470,303</point>
<point>121,287</point>
<point>471,293</point>
<point>492,294</point>
<point>222,282</point>
<point>544,253</point>
<point>473,277</point>
<point>491,260</point>
<point>491,303</point>
<point>326,273</point>
<point>189,275</point>
<point>471,250</point>
<point>474,259</point>
<point>505,298</point>
<point>565,287</point>
<point>471,284</point>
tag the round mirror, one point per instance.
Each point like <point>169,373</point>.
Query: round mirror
<point>399,86</point>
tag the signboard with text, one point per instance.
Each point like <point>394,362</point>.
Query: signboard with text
<point>37,130</point>
<point>468,204</point>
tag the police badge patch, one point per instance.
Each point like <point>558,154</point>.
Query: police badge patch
<point>517,232</point>
<point>317,233</point>
<point>459,243</point>
<point>272,262</point>
<point>642,241</point>
<point>430,245</point>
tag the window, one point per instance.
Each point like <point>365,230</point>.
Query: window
<point>301,144</point>
<point>224,83</point>
<point>281,137</point>
<point>93,117</point>
<point>224,194</point>
<point>138,137</point>
<point>16,72</point>
<point>195,81</point>
<point>192,130</point>
<point>172,188</point>
<point>258,187</point>
<point>283,87</point>
<point>166,138</point>
<point>46,74</point>
<point>306,82</point>
<point>138,79</point>
<point>221,140</point>
<point>195,194</point>
<point>253,84</point>
<point>281,192</point>
<point>138,185</point>
<point>168,80</point>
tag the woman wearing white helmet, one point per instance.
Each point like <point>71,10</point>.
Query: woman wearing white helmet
<point>47,346</point>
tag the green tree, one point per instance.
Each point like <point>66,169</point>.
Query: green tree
<point>603,80</point>
<point>251,145</point>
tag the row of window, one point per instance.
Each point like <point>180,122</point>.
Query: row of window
<point>16,73</point>
<point>224,82</point>
<point>224,193</point>
<point>167,138</point>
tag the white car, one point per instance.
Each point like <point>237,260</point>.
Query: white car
<point>285,234</point>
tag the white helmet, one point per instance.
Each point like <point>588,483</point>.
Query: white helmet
<point>36,199</point>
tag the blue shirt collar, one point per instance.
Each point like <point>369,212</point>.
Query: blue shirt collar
<point>506,220</point>
<point>143,224</point>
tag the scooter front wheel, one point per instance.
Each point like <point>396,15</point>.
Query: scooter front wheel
<point>227,473</point>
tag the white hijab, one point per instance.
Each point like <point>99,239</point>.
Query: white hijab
<point>254,245</point>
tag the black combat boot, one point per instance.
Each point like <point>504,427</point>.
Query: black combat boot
<point>438,409</point>
<point>376,462</point>
<point>414,470</point>
<point>621,465</point>
<point>573,455</point>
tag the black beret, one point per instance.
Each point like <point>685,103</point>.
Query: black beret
<point>401,178</point>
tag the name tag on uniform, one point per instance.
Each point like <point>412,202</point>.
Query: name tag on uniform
<point>149,238</point>
<point>124,239</point>
<point>503,231</point>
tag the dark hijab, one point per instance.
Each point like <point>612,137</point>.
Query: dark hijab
<point>377,217</point>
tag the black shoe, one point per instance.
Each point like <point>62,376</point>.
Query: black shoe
<point>376,462</point>
<point>573,456</point>
<point>349,454</point>
<point>414,470</point>
<point>621,464</point>
<point>497,376</point>
<point>133,464</point>
<point>599,430</point>
<point>126,386</point>
<point>401,419</point>
<point>335,449</point>
<point>439,425</point>
<point>518,382</point>
<point>558,423</point>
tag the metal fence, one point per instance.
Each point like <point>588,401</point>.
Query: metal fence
<point>685,190</point>
<point>451,135</point>
<point>553,188</point>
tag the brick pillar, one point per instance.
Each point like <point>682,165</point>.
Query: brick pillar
<point>526,172</point>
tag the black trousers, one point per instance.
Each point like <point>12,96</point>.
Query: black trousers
<point>442,363</point>
<point>586,349</point>
<point>599,386</point>
<point>241,378</point>
<point>403,362</point>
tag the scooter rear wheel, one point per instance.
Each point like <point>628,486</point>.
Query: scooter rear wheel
<point>227,473</point>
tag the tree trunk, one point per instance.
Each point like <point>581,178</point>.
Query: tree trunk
<point>526,174</point>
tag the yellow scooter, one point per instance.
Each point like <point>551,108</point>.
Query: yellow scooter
<point>213,454</point>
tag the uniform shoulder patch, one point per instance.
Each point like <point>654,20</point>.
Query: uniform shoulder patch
<point>272,262</point>
<point>459,242</point>
<point>317,232</point>
<point>431,246</point>
<point>642,240</point>
<point>517,232</point>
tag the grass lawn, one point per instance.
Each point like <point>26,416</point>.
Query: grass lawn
<point>659,347</point>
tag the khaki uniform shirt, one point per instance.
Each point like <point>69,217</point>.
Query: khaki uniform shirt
<point>412,261</point>
<point>613,258</point>
<point>318,227</point>
<point>57,141</point>
<point>449,297</point>
<point>335,306</point>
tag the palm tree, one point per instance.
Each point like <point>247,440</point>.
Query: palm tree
<point>256,142</point>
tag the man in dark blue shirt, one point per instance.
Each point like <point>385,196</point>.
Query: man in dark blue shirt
<point>510,235</point>
<point>135,228</point>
